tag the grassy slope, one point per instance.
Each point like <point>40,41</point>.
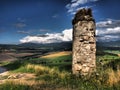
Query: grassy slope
<point>55,73</point>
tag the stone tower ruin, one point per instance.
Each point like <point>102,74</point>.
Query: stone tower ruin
<point>84,43</point>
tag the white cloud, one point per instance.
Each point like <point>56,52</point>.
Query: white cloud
<point>75,4</point>
<point>104,23</point>
<point>107,38</point>
<point>109,31</point>
<point>109,23</point>
<point>108,27</point>
<point>66,35</point>
<point>81,1</point>
<point>105,34</point>
<point>108,34</point>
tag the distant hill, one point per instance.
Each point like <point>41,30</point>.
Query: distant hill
<point>62,46</point>
<point>52,46</point>
<point>58,46</point>
<point>111,43</point>
<point>8,46</point>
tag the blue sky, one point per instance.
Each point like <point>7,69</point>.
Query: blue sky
<point>47,21</point>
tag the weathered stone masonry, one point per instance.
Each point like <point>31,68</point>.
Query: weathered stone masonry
<point>84,43</point>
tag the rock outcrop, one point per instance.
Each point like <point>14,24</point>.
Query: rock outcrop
<point>84,43</point>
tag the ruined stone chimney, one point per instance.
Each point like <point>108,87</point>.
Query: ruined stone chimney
<point>84,43</point>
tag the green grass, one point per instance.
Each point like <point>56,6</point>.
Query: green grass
<point>113,51</point>
<point>12,86</point>
<point>61,62</point>
<point>4,63</point>
<point>60,59</point>
<point>106,58</point>
<point>53,60</point>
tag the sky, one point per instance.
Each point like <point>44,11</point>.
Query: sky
<point>49,21</point>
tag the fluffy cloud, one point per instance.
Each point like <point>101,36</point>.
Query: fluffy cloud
<point>107,38</point>
<point>104,23</point>
<point>66,35</point>
<point>110,23</point>
<point>108,34</point>
<point>74,5</point>
<point>108,30</point>
<point>108,27</point>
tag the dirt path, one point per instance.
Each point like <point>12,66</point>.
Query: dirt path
<point>20,78</point>
<point>119,55</point>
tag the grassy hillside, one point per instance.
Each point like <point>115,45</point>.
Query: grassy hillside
<point>53,72</point>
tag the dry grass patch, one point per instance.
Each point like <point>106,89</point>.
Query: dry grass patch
<point>119,55</point>
<point>113,77</point>
<point>57,54</point>
<point>38,69</point>
<point>42,70</point>
<point>24,82</point>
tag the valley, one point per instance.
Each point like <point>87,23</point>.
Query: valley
<point>48,69</point>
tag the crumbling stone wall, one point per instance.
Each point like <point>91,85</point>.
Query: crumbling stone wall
<point>84,43</point>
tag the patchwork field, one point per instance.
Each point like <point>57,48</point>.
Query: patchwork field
<point>13,56</point>
<point>6,57</point>
<point>57,54</point>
